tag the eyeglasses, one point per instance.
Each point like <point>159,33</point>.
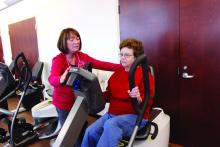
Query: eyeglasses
<point>74,38</point>
<point>124,55</point>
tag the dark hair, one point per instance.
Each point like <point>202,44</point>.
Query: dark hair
<point>135,45</point>
<point>64,36</point>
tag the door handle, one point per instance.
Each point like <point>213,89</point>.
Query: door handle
<point>185,75</point>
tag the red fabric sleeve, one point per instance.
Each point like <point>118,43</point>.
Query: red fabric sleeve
<point>97,64</point>
<point>55,73</point>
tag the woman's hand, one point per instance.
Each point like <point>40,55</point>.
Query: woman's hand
<point>135,93</point>
<point>64,75</point>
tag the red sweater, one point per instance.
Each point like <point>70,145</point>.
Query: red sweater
<point>63,96</point>
<point>117,91</point>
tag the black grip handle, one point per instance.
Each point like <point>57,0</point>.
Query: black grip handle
<point>88,66</point>
<point>24,76</point>
<point>154,134</point>
<point>140,109</point>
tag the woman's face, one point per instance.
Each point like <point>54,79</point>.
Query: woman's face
<point>73,43</point>
<point>126,57</point>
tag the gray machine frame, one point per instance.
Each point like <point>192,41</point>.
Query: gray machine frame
<point>89,100</point>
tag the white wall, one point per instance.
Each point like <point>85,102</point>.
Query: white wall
<point>96,20</point>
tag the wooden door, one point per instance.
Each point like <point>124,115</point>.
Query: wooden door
<point>23,38</point>
<point>200,59</point>
<point>181,35</point>
<point>1,50</point>
<point>156,24</point>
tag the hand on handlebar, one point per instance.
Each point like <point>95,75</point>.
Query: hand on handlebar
<point>135,93</point>
<point>64,75</point>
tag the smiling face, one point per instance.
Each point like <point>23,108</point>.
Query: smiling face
<point>126,57</point>
<point>73,43</point>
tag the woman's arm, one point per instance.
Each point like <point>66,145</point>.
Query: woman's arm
<point>55,73</point>
<point>98,64</point>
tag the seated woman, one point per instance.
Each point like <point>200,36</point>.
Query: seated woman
<point>119,121</point>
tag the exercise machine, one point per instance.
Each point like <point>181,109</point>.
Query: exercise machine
<point>45,110</point>
<point>45,116</point>
<point>20,132</point>
<point>90,101</point>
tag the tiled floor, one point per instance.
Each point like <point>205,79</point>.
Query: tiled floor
<point>44,143</point>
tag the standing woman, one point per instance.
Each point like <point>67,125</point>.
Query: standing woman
<point>70,44</point>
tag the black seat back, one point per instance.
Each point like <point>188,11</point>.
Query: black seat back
<point>7,84</point>
<point>37,71</point>
<point>35,90</point>
<point>12,67</point>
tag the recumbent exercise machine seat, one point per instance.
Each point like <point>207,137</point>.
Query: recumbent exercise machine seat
<point>151,137</point>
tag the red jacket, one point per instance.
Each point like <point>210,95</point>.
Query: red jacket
<point>117,91</point>
<point>63,96</point>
